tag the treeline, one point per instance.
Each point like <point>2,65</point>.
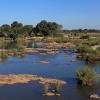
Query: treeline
<point>82,31</point>
<point>16,29</point>
<point>43,28</point>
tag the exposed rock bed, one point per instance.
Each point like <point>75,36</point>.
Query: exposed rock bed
<point>26,78</point>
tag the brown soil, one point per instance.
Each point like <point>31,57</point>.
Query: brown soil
<point>26,78</point>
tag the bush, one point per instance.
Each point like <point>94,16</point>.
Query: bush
<point>86,76</point>
<point>3,55</point>
<point>15,52</point>
<point>98,48</point>
<point>21,48</point>
<point>83,48</point>
<point>84,37</point>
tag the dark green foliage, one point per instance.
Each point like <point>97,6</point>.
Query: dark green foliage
<point>82,31</point>
<point>47,28</point>
<point>98,48</point>
<point>27,30</point>
<point>84,37</point>
<point>17,29</point>
<point>5,30</point>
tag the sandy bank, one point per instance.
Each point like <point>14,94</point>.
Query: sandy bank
<point>26,78</point>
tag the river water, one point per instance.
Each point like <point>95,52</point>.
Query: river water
<point>61,66</point>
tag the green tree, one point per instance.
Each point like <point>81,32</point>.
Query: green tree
<point>28,30</point>
<point>5,30</point>
<point>47,28</point>
<point>16,29</point>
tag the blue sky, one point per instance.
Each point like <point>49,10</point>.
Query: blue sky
<point>70,13</point>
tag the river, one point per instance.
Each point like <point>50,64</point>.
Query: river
<point>61,66</point>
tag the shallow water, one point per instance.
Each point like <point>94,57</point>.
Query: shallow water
<point>61,66</point>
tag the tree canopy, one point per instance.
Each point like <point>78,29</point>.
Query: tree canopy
<point>47,28</point>
<point>17,29</point>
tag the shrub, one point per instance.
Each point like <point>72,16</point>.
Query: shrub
<point>86,76</point>
<point>98,48</point>
<point>15,52</point>
<point>3,55</point>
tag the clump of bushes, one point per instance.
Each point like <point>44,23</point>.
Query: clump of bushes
<point>20,48</point>
<point>14,51</point>
<point>86,76</point>
<point>87,53</point>
<point>85,37</point>
<point>83,48</point>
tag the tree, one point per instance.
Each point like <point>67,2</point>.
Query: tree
<point>27,30</point>
<point>16,27</point>
<point>5,30</point>
<point>47,28</point>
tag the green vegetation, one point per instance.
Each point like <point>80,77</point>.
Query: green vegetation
<point>47,28</point>
<point>88,53</point>
<point>81,31</point>
<point>50,32</point>
<point>88,47</point>
<point>98,48</point>
<point>86,76</point>
<point>16,29</point>
<point>3,55</point>
<point>14,39</point>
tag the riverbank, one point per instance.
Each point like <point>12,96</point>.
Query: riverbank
<point>50,48</point>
